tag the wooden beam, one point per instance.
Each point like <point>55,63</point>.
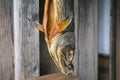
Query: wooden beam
<point>6,40</point>
<point>86,43</point>
<point>26,40</point>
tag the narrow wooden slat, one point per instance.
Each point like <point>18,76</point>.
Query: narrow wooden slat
<point>26,39</point>
<point>86,34</point>
<point>55,77</point>
<point>49,77</point>
<point>6,40</point>
<point>118,41</point>
<point>76,56</point>
<point>112,59</point>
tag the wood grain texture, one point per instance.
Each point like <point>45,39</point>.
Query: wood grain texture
<point>112,59</point>
<point>6,40</point>
<point>86,34</point>
<point>26,39</point>
<point>118,41</point>
<point>55,77</point>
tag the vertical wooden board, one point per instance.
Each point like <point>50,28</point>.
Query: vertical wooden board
<point>30,39</point>
<point>76,56</point>
<point>118,41</point>
<point>6,40</point>
<point>26,39</point>
<point>86,34</point>
<point>112,59</point>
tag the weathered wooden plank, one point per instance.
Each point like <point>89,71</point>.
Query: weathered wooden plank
<point>112,59</point>
<point>49,77</point>
<point>86,34</point>
<point>56,77</point>
<point>118,42</point>
<point>26,39</point>
<point>6,40</point>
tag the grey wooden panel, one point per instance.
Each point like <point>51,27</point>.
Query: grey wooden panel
<point>86,34</point>
<point>26,39</point>
<point>6,40</point>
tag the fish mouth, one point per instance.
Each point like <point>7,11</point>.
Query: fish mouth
<point>68,68</point>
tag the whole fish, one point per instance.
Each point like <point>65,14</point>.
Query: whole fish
<point>53,25</point>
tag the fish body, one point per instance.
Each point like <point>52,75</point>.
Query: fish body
<point>52,26</point>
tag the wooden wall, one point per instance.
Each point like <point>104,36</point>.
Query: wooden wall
<point>19,54</point>
<point>19,42</point>
<point>6,40</point>
<point>26,39</point>
<point>86,38</point>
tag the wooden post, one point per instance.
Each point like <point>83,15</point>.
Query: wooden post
<point>6,40</point>
<point>26,39</point>
<point>86,43</point>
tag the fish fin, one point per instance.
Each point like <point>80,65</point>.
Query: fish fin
<point>64,24</point>
<point>40,27</point>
